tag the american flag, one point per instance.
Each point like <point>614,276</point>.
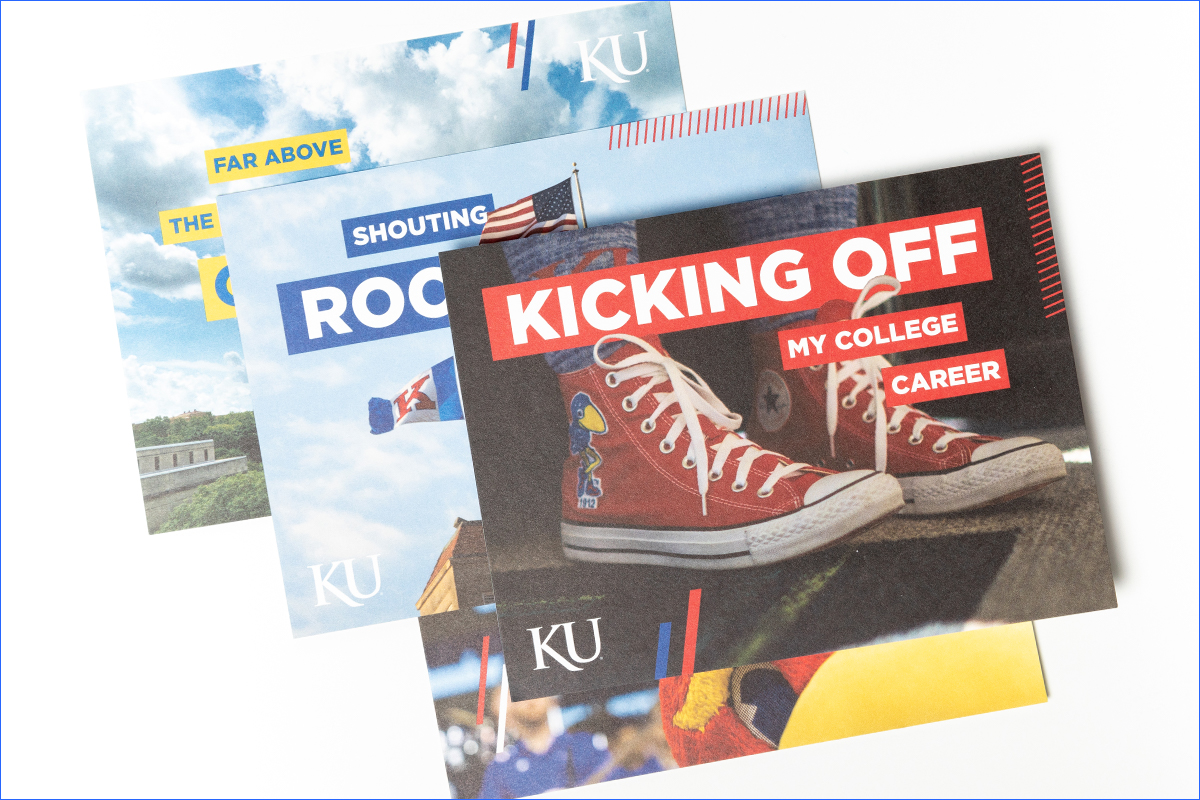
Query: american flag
<point>549,210</point>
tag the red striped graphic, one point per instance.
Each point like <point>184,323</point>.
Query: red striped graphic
<point>483,665</point>
<point>1042,234</point>
<point>708,120</point>
<point>512,46</point>
<point>689,639</point>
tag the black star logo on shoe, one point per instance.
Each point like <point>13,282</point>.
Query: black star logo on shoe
<point>771,400</point>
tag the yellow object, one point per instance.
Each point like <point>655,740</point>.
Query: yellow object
<point>707,693</point>
<point>277,155</point>
<point>592,421</point>
<point>215,288</point>
<point>898,684</point>
<point>190,224</point>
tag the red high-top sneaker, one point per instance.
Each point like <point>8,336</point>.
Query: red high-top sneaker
<point>657,475</point>
<point>940,469</point>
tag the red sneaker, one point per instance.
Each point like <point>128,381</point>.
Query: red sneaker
<point>637,488</point>
<point>941,469</point>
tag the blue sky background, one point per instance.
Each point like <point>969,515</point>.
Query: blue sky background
<point>400,102</point>
<point>337,492</point>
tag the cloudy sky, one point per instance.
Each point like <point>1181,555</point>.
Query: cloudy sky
<point>337,492</point>
<point>399,102</point>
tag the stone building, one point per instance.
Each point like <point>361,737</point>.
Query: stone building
<point>461,578</point>
<point>171,473</point>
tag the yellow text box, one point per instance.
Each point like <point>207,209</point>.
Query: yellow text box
<point>277,155</point>
<point>190,224</point>
<point>214,287</point>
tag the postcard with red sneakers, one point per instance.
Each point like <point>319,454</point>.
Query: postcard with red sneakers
<point>346,337</point>
<point>493,747</point>
<point>777,428</point>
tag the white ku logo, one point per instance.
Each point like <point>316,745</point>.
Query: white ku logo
<point>541,646</point>
<point>590,60</point>
<point>323,585</point>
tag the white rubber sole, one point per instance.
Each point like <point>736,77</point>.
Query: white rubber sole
<point>849,507</point>
<point>1001,477</point>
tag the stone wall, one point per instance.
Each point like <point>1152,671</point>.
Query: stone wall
<point>174,456</point>
<point>162,491</point>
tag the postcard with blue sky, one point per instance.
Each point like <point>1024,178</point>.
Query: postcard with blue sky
<point>162,151</point>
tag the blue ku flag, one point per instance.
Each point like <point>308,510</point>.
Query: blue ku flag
<point>432,396</point>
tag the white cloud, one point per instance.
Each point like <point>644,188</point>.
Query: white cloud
<point>456,97</point>
<point>147,150</point>
<point>126,320</point>
<point>121,299</point>
<point>166,388</point>
<point>331,534</point>
<point>235,365</point>
<point>136,260</point>
<point>340,463</point>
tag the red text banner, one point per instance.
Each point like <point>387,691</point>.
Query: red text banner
<point>740,283</point>
<point>946,377</point>
<point>849,339</point>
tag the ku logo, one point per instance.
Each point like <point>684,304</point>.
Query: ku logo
<point>590,60</point>
<point>413,399</point>
<point>541,647</point>
<point>324,586</point>
<point>586,421</point>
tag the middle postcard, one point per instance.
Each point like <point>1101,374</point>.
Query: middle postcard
<point>347,342</point>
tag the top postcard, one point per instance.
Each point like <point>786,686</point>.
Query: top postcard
<point>162,151</point>
<point>777,428</point>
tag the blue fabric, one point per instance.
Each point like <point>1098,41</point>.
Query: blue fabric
<point>568,252</point>
<point>570,760</point>
<point>445,381</point>
<point>379,415</point>
<point>787,217</point>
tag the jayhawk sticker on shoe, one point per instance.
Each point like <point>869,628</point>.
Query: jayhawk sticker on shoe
<point>586,420</point>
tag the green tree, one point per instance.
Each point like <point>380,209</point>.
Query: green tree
<point>233,434</point>
<point>228,499</point>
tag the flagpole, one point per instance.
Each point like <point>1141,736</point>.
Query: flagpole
<point>575,175</point>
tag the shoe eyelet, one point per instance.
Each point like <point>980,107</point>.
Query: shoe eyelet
<point>767,493</point>
<point>666,447</point>
<point>896,429</point>
<point>915,440</point>
<point>689,462</point>
<point>648,426</point>
<point>738,487</point>
<point>869,416</point>
<point>628,404</point>
<point>611,380</point>
<point>817,367</point>
<point>941,449</point>
<point>849,402</point>
<point>849,463</point>
<point>714,475</point>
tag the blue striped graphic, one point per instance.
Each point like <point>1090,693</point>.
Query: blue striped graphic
<point>664,650</point>
<point>528,55</point>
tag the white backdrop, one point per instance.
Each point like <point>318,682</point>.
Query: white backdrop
<point>164,666</point>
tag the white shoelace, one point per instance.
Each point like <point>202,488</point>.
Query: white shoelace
<point>866,375</point>
<point>693,396</point>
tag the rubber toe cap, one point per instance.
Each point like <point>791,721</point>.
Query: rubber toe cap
<point>835,483</point>
<point>993,449</point>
